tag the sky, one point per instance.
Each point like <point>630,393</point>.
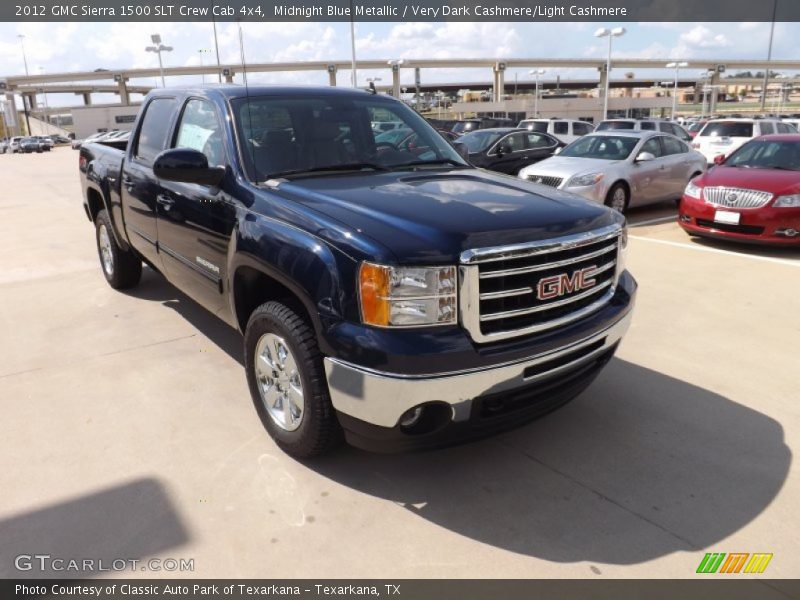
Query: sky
<point>60,47</point>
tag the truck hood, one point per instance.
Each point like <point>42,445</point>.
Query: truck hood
<point>433,216</point>
<point>567,166</point>
<point>774,181</point>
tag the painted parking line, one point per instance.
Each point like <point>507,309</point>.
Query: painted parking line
<point>654,221</point>
<point>780,261</point>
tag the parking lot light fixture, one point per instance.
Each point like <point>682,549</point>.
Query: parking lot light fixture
<point>158,48</point>
<point>677,66</point>
<point>610,34</point>
<point>202,51</point>
<point>536,73</point>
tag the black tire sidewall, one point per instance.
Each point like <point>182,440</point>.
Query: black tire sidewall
<point>269,319</point>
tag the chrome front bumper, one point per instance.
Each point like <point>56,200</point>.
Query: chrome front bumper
<point>381,398</point>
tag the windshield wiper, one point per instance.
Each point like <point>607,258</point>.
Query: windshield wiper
<point>437,161</point>
<point>357,166</point>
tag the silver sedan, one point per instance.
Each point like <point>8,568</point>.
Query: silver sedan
<point>621,168</point>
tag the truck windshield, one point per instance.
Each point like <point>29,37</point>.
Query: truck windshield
<point>606,147</point>
<point>286,135</point>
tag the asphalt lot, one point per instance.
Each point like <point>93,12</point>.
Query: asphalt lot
<point>128,431</point>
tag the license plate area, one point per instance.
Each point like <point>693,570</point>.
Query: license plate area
<point>726,216</point>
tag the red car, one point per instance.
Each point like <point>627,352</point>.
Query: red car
<point>753,195</point>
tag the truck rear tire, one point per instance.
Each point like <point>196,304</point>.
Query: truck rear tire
<point>287,381</point>
<point>122,269</point>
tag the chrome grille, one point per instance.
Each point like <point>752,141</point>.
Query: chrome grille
<point>507,291</point>
<point>545,180</point>
<point>736,197</point>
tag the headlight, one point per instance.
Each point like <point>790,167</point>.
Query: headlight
<point>693,191</point>
<point>584,180</point>
<point>791,201</point>
<point>407,296</point>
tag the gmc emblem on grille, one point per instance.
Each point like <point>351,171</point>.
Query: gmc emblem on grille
<point>558,285</point>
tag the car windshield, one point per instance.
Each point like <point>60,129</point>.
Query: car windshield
<point>478,141</point>
<point>611,125</point>
<point>462,126</point>
<point>288,135</point>
<point>605,147</point>
<point>538,126</point>
<point>767,154</point>
<point>727,129</point>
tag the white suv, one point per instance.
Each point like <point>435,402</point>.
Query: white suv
<point>661,125</point>
<point>720,137</point>
<point>565,130</point>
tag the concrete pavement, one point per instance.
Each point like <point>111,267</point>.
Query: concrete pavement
<point>128,431</point>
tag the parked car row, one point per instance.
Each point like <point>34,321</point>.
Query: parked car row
<point>26,144</point>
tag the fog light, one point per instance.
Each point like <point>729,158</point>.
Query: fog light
<point>788,232</point>
<point>411,417</point>
<point>685,218</point>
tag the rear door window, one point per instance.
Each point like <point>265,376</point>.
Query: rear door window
<point>561,128</point>
<point>653,146</point>
<point>537,140</point>
<point>727,129</point>
<point>767,128</point>
<point>647,126</point>
<point>673,145</point>
<point>155,128</point>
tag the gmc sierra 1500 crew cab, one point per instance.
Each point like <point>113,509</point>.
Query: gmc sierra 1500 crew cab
<point>398,297</point>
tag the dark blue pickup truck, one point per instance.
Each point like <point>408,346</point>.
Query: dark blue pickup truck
<point>397,297</point>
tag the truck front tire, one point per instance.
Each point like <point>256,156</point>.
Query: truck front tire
<point>287,381</point>
<point>122,269</point>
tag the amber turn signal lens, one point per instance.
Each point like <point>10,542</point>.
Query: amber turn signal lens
<point>374,286</point>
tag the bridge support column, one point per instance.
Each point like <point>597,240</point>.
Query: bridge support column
<point>714,93</point>
<point>498,81</point>
<point>332,75</point>
<point>395,81</point>
<point>124,96</point>
<point>228,75</point>
<point>603,81</point>
<point>87,98</point>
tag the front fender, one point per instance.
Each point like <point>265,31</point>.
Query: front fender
<point>319,275</point>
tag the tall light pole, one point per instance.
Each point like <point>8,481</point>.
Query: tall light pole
<point>536,73</point>
<point>158,48</point>
<point>216,48</point>
<point>24,58</point>
<point>610,34</point>
<point>677,66</point>
<point>44,104</point>
<point>353,74</point>
<point>202,64</point>
<point>769,56</point>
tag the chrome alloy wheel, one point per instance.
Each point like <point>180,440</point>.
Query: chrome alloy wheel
<point>618,200</point>
<point>279,382</point>
<point>106,255</point>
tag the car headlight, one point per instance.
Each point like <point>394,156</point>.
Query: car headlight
<point>693,191</point>
<point>584,180</point>
<point>791,201</point>
<point>407,296</point>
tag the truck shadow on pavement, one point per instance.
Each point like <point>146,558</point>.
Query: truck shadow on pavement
<point>132,521</point>
<point>156,288</point>
<point>639,466</point>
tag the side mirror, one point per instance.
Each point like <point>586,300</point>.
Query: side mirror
<point>187,166</point>
<point>558,150</point>
<point>503,149</point>
<point>719,159</point>
<point>645,156</point>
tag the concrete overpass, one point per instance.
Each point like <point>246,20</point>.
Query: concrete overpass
<point>498,68</point>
